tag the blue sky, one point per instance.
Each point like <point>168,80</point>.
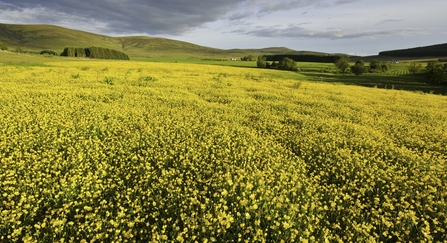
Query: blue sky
<point>359,27</point>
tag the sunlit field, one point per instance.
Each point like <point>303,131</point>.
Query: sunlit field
<point>108,151</point>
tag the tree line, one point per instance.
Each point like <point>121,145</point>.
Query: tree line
<point>284,64</point>
<point>289,61</point>
<point>48,52</point>
<point>248,58</point>
<point>328,58</point>
<point>375,66</point>
<point>91,52</point>
<point>437,72</point>
<point>426,51</point>
<point>94,52</point>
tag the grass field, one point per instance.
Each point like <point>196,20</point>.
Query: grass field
<point>210,61</point>
<point>178,152</point>
<point>398,77</point>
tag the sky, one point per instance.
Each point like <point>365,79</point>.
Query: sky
<point>356,27</point>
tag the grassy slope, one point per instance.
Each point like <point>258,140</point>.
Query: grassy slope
<point>143,46</point>
<point>39,37</point>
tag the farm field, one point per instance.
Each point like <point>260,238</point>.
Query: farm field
<point>210,61</point>
<point>398,77</point>
<point>110,151</point>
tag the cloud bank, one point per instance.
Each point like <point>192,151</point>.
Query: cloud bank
<point>171,17</point>
<point>325,25</point>
<point>131,16</point>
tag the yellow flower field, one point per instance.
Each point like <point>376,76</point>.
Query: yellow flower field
<point>108,151</point>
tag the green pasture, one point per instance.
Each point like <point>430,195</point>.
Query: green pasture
<point>212,61</point>
<point>398,77</point>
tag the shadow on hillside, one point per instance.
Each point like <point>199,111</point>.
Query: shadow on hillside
<point>398,82</point>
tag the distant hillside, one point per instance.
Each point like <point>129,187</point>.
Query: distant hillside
<point>143,46</point>
<point>425,51</point>
<point>275,50</point>
<point>40,37</point>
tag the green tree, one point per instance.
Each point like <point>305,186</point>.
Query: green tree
<point>437,72</point>
<point>360,62</point>
<point>375,66</point>
<point>290,64</point>
<point>294,66</point>
<point>48,52</point>
<point>68,52</point>
<point>414,68</point>
<point>358,68</point>
<point>248,58</point>
<point>342,65</point>
<point>3,46</point>
<point>19,50</point>
<point>287,64</point>
<point>261,63</point>
<point>430,69</point>
<point>79,52</point>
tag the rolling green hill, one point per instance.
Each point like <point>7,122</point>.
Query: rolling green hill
<point>34,38</point>
<point>38,37</point>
